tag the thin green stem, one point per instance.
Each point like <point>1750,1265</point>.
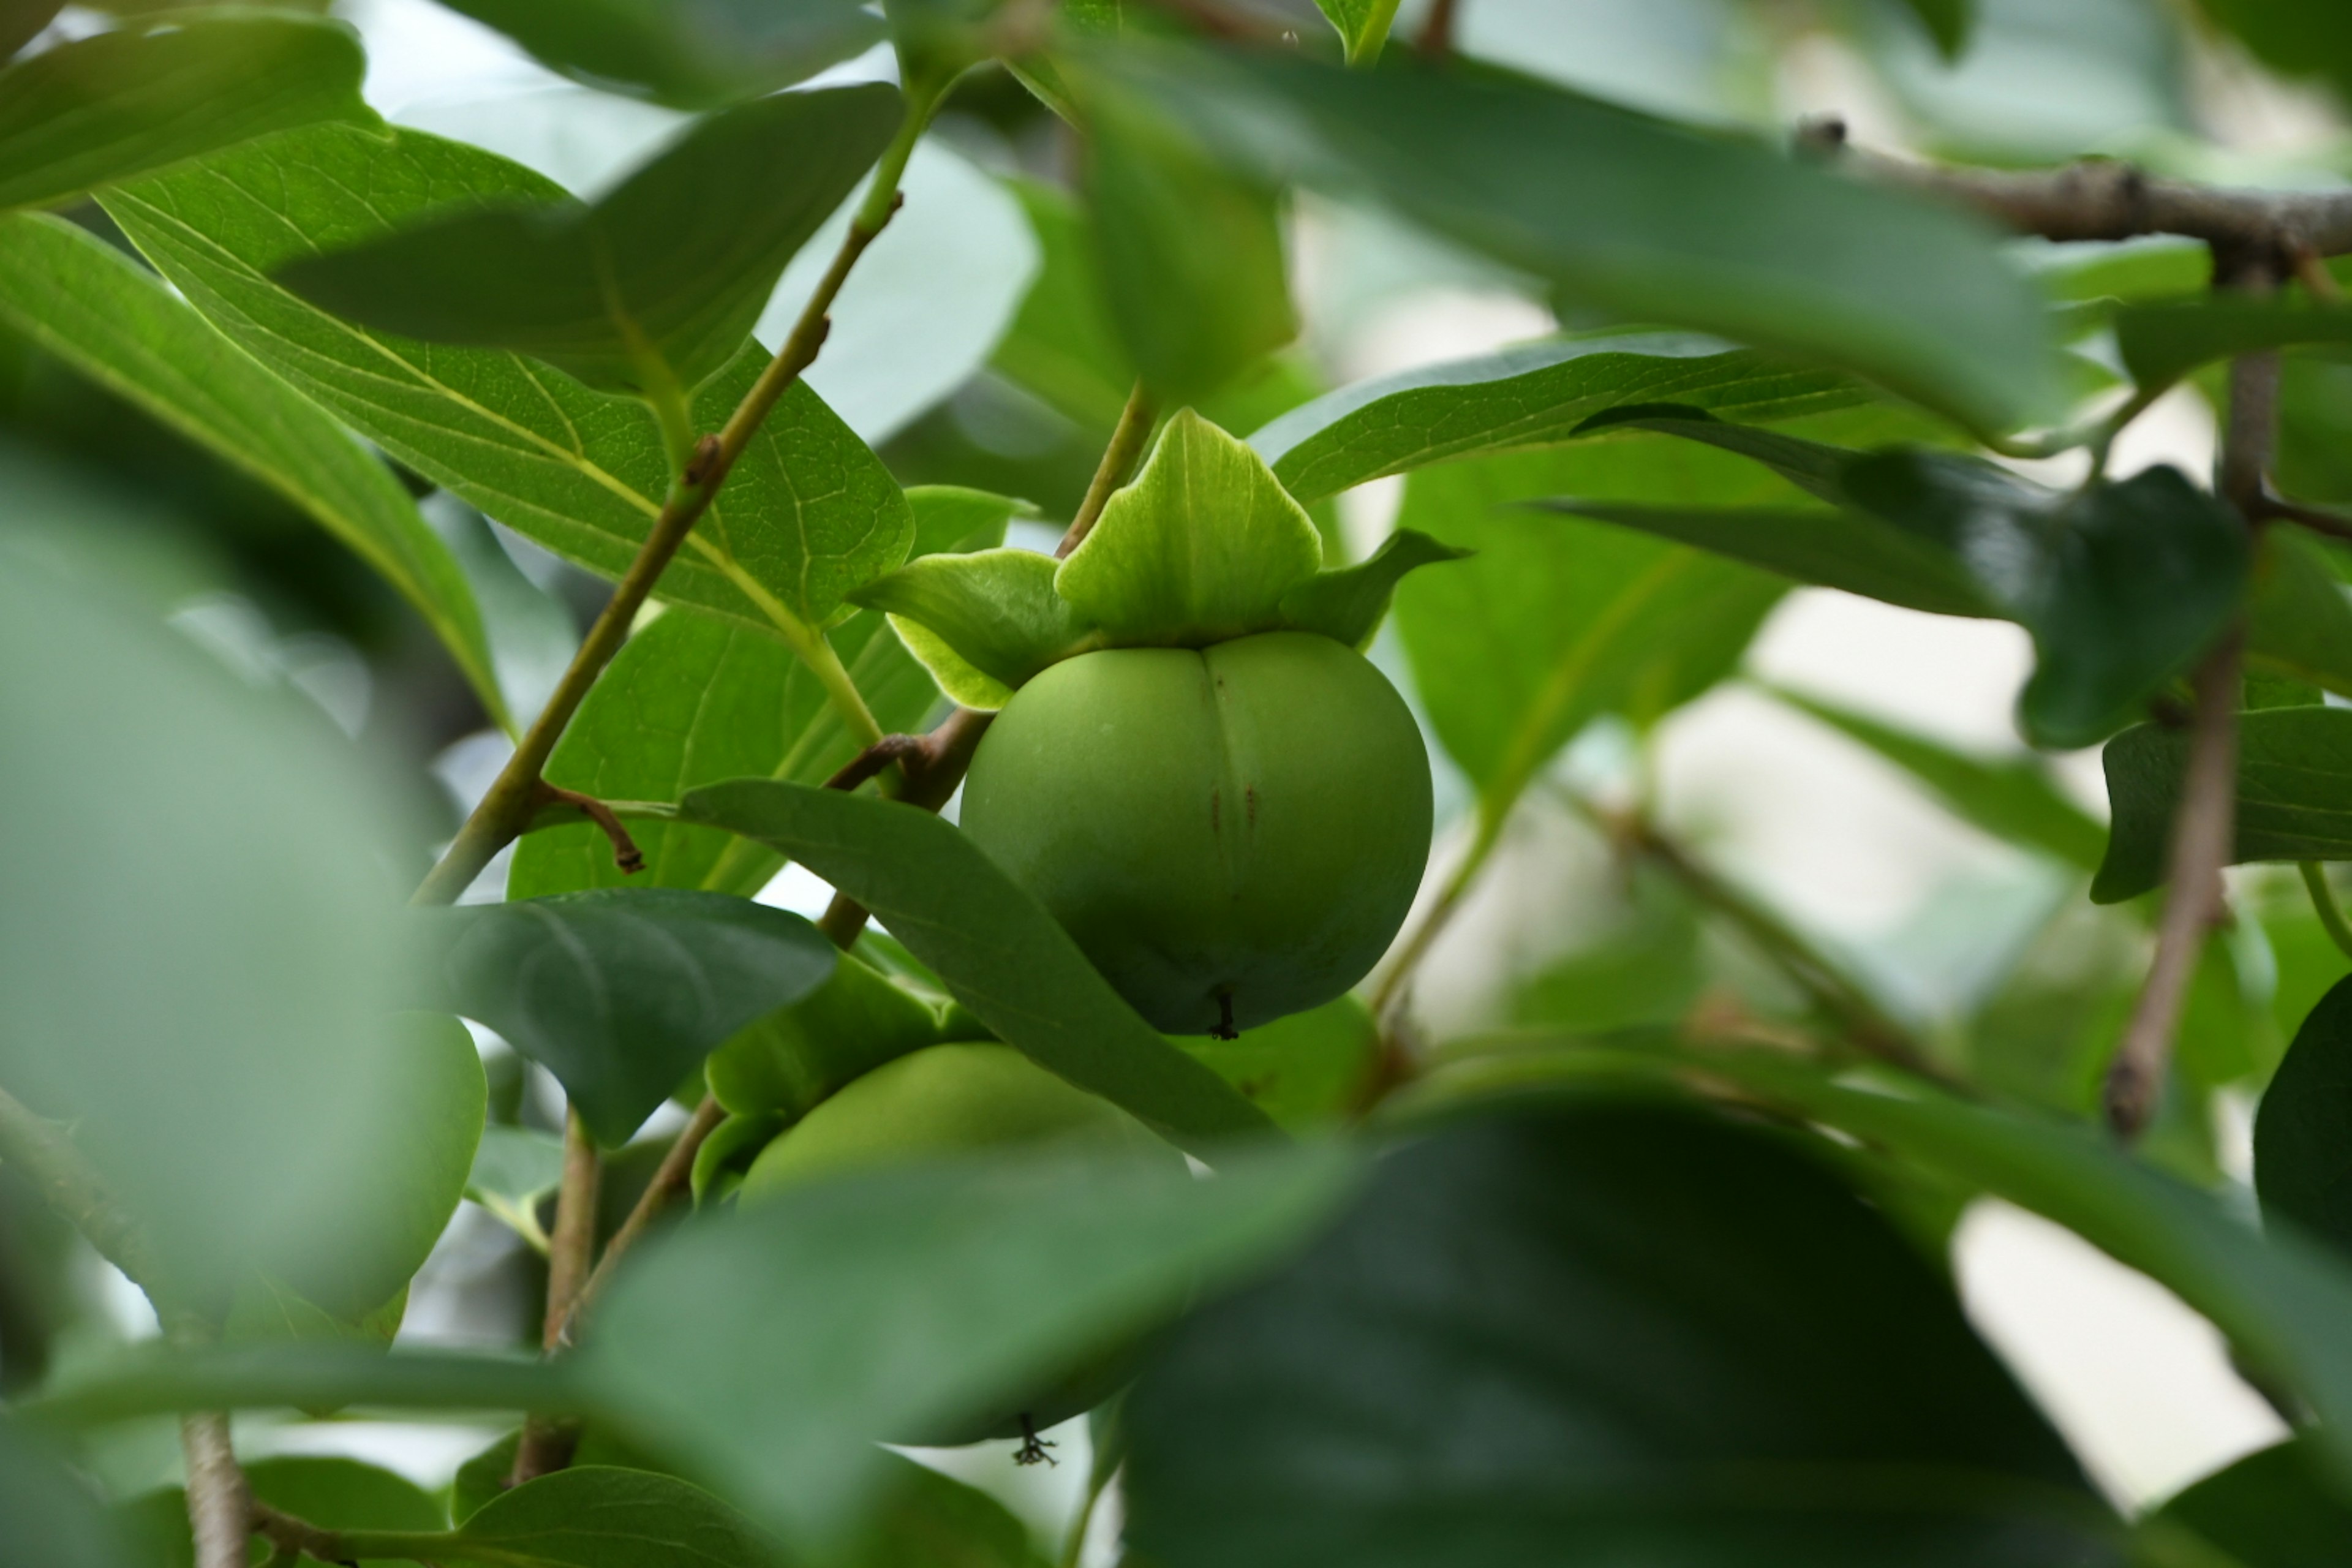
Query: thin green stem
<point>547,1442</point>
<point>1118,458</point>
<point>1390,989</point>
<point>817,651</point>
<point>506,809</point>
<point>2323,902</point>
<point>1074,1546</point>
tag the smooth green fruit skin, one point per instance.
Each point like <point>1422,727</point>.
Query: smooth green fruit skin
<point>1248,820</point>
<point>944,1101</point>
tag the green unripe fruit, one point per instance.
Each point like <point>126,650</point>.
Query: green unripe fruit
<point>945,1100</point>
<point>1232,834</point>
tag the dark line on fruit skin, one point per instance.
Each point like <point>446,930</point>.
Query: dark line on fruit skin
<point>1216,809</point>
<point>1250,795</point>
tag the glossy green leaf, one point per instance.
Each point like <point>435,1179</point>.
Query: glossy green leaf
<point>2013,798</point>
<point>995,610</point>
<point>1669,1319</point>
<point>1192,258</point>
<point>688,701</point>
<point>697,55</point>
<point>995,947</point>
<point>2295,794</point>
<point>789,1060</point>
<point>2274,1509</point>
<point>2298,619</point>
<point>54,1520</point>
<point>2280,1300</point>
<point>1551,623</point>
<point>513,1169</point>
<point>652,288</point>
<point>1199,548</point>
<point>956,520</point>
<point>1349,602</point>
<point>600,1516</point>
<point>2162,342</point>
<point>331,1493</point>
<point>1362,25</point>
<point>1534,395</point>
<point>894,1300</point>
<point>1655,222</point>
<point>84,301</point>
<point>154,1380</point>
<point>106,107</point>
<point>2303,1161</point>
<point>620,992</point>
<point>807,514</point>
<point>204,913</point>
<point>1305,1072</point>
<point>2122,586</point>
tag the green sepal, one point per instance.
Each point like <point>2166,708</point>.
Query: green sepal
<point>1347,604</point>
<point>1198,550</point>
<point>728,1153</point>
<point>996,612</point>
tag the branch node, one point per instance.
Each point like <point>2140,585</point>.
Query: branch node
<point>705,459</point>
<point>626,853</point>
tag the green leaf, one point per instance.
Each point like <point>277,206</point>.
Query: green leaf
<point>1535,395</point>
<point>87,302</point>
<point>2274,1509</point>
<point>600,1516</point>
<point>688,701</point>
<point>1362,25</point>
<point>2300,1131</point>
<point>104,109</point>
<point>154,1380</point>
<point>2013,798</point>
<point>1348,604</point>
<point>1949,22</point>
<point>995,610</point>
<point>2300,37</point>
<point>2295,779</point>
<point>1655,222</point>
<point>331,1493</point>
<point>2162,342</point>
<point>655,287</point>
<point>21,21</point>
<point>914,1296</point>
<point>697,55</point>
<point>995,947</point>
<point>513,1169</point>
<point>53,1521</point>
<point>2298,621</point>
<point>205,914</point>
<point>1305,1072</point>
<point>1062,345</point>
<point>789,1060</point>
<point>1192,258</point>
<point>807,514</point>
<point>532,635</point>
<point>2281,1301</point>
<point>929,1520</point>
<point>952,520</point>
<point>1551,624</point>
<point>1690,1343</point>
<point>620,992</point>
<point>1198,549</point>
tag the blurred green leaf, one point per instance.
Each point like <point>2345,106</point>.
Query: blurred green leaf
<point>84,301</point>
<point>1349,602</point>
<point>957,520</point>
<point>331,1493</point>
<point>2298,622</point>
<point>2299,37</point>
<point>894,1299</point>
<point>1949,22</point>
<point>929,1520</point>
<point>1062,346</point>
<point>2305,1127</point>
<point>599,1516</point>
<point>998,950</point>
<point>794,1058</point>
<point>2295,770</point>
<point>1653,221</point>
<point>2274,1509</point>
<point>205,914</point>
<point>620,992</point>
<point>1551,624</point>
<point>2013,798</point>
<point>688,701</point>
<point>1534,395</point>
<point>808,514</point>
<point>2121,585</point>
<point>1362,25</point>
<point>1668,1318</point>
<point>1306,1070</point>
<point>154,1379</point>
<point>54,1520</point>
<point>699,54</point>
<point>22,20</point>
<point>531,632</point>
<point>1192,258</point>
<point>514,1167</point>
<point>106,107</point>
<point>2162,342</point>
<point>655,287</point>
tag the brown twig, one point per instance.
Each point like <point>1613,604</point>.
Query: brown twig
<point>547,1442</point>
<point>874,759</point>
<point>2099,199</point>
<point>626,853</point>
<point>1435,40</point>
<point>220,1506</point>
<point>2319,520</point>
<point>294,1537</point>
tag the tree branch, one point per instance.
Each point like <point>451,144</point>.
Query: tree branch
<point>547,1443</point>
<point>42,1151</point>
<point>2105,200</point>
<point>505,811</point>
<point>1437,40</point>
<point>220,1507</point>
